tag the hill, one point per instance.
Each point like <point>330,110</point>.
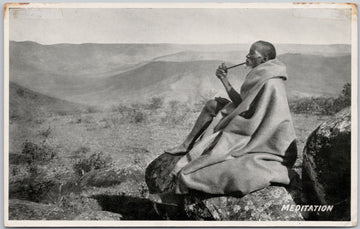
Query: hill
<point>25,104</point>
<point>312,75</point>
<point>105,74</point>
<point>308,76</point>
<point>172,80</point>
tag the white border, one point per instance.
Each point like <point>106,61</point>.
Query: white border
<point>63,223</point>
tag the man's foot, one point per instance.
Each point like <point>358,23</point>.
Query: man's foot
<point>167,198</point>
<point>178,150</point>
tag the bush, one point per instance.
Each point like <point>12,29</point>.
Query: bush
<point>45,133</point>
<point>156,103</point>
<point>82,150</point>
<point>177,113</point>
<point>322,105</point>
<point>133,114</point>
<point>138,117</point>
<point>38,153</point>
<point>94,162</point>
<point>122,109</point>
<point>91,109</point>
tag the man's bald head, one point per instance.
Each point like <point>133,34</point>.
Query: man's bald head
<point>266,49</point>
<point>260,52</point>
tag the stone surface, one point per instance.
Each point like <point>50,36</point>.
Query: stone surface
<point>157,173</point>
<point>326,167</point>
<point>27,210</point>
<point>265,204</point>
<point>98,215</point>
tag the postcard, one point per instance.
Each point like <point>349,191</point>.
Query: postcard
<point>180,114</point>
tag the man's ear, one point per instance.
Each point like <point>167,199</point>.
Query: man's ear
<point>264,59</point>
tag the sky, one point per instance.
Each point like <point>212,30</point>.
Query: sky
<point>184,26</point>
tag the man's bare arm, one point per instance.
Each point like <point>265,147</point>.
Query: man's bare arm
<point>235,97</point>
<point>233,94</point>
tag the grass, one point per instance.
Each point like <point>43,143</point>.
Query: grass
<point>74,157</point>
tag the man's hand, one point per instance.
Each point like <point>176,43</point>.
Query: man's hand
<point>221,72</point>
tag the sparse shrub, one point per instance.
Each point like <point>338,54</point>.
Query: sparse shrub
<point>156,103</point>
<point>177,113</point>
<point>38,153</point>
<point>94,162</point>
<point>14,171</point>
<point>13,117</point>
<point>39,120</point>
<point>45,133</point>
<point>344,99</point>
<point>91,109</point>
<point>87,119</point>
<point>82,150</point>
<point>62,113</point>
<point>138,106</point>
<point>121,108</point>
<point>322,105</point>
<point>34,170</point>
<point>113,121</point>
<point>20,92</point>
<point>39,186</point>
<point>126,115</point>
<point>138,116</point>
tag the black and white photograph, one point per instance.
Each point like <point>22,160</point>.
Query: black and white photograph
<point>180,114</point>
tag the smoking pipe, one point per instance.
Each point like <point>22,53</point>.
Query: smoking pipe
<point>235,66</point>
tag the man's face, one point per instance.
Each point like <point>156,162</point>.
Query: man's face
<point>254,57</point>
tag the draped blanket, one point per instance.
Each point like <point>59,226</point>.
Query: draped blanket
<point>247,147</point>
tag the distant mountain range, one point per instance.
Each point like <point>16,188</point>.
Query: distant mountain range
<point>106,74</point>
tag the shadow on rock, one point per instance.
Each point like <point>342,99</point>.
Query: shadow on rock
<point>135,208</point>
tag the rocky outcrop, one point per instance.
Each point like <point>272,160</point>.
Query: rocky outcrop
<point>265,204</point>
<point>326,167</point>
<point>269,204</point>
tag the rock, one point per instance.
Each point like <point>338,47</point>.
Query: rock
<point>98,215</point>
<point>326,167</point>
<point>157,173</point>
<point>27,210</point>
<point>265,204</point>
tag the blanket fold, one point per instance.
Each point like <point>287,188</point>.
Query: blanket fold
<point>247,147</point>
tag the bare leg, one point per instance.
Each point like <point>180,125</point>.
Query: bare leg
<point>202,122</point>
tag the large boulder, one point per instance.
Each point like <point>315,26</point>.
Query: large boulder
<point>265,204</point>
<point>326,167</point>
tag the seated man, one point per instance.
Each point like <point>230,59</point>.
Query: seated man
<point>242,145</point>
